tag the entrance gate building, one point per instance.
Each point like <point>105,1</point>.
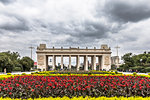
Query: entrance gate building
<point>103,54</point>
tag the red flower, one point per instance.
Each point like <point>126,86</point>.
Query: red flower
<point>10,88</point>
<point>141,87</point>
<point>87,87</point>
<point>72,87</point>
<point>113,87</point>
<point>134,86</point>
<point>79,88</point>
<point>10,93</point>
<point>6,89</point>
<point>50,84</point>
<point>32,90</point>
<point>17,85</point>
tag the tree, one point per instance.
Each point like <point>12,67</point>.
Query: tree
<point>144,59</point>
<point>128,60</point>
<point>6,61</point>
<point>148,60</point>
<point>140,62</point>
<point>27,63</point>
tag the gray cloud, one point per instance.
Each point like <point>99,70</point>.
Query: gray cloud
<point>15,23</point>
<point>111,22</point>
<point>86,30</point>
<point>7,1</point>
<point>92,30</point>
<point>121,10</point>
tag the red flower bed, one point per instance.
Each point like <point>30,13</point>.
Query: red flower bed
<point>59,86</point>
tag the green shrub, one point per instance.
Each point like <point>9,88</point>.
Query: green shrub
<point>116,72</point>
<point>36,72</point>
<point>134,73</point>
<point>113,73</point>
<point>23,74</point>
<point>89,73</point>
<point>8,73</point>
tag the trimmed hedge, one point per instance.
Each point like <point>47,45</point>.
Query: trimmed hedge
<point>77,72</point>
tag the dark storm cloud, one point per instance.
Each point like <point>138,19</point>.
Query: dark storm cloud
<point>92,30</point>
<point>7,1</point>
<point>84,30</point>
<point>121,10</point>
<point>17,24</point>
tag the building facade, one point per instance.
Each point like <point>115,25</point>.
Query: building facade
<point>103,54</point>
<point>115,61</point>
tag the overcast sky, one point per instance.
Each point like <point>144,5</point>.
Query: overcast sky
<point>75,23</point>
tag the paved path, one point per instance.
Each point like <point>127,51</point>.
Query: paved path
<point>18,73</point>
<point>132,73</point>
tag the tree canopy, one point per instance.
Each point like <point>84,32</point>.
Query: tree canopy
<point>140,62</point>
<point>11,60</point>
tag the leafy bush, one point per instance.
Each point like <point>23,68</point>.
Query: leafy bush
<point>89,73</point>
<point>8,73</point>
<point>134,73</point>
<point>116,72</point>
<point>69,73</point>
<point>23,74</point>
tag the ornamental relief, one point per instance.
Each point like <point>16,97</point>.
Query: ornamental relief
<point>106,60</point>
<point>40,60</point>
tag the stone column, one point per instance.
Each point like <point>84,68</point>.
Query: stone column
<point>78,62</point>
<point>99,63</point>
<point>46,63</point>
<point>62,62</point>
<point>69,62</point>
<point>86,63</point>
<point>94,62</point>
<point>53,62</point>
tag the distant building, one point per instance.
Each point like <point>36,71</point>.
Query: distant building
<point>115,61</point>
<point>35,63</point>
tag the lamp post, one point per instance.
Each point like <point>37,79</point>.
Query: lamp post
<point>31,50</point>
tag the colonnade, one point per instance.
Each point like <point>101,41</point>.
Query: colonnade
<point>85,61</point>
<point>103,54</point>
